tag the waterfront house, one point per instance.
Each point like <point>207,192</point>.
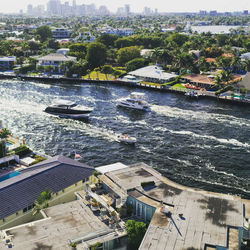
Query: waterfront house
<point>245,56</point>
<point>202,81</point>
<point>7,63</point>
<point>179,217</point>
<point>55,60</point>
<point>152,73</point>
<point>61,226</point>
<point>245,83</point>
<point>61,175</point>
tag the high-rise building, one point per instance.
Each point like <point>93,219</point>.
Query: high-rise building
<point>54,7</point>
<point>147,11</point>
<point>127,9</point>
<point>203,12</point>
<point>30,9</point>
<point>245,12</point>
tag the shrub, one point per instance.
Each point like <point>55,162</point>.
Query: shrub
<point>96,173</point>
<point>38,159</point>
<point>22,150</point>
<point>96,246</point>
<point>136,231</point>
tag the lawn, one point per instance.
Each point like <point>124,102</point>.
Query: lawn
<point>151,83</point>
<point>179,86</point>
<point>95,75</point>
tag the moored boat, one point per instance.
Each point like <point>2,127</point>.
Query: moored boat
<point>68,109</point>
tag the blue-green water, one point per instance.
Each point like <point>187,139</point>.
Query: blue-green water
<point>8,176</point>
<point>200,143</point>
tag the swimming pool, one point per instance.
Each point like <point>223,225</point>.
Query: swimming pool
<point>8,144</point>
<point>9,175</point>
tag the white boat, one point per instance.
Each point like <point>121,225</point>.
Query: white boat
<point>126,139</point>
<point>192,94</point>
<point>68,109</point>
<point>135,101</point>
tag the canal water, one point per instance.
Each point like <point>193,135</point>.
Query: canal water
<point>198,143</point>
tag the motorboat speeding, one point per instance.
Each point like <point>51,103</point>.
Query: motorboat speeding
<point>135,101</point>
<point>125,138</point>
<point>68,109</point>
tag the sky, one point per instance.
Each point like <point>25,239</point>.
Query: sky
<point>13,6</point>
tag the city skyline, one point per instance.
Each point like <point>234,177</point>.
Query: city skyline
<point>14,6</point>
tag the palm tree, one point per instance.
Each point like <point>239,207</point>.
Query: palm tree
<point>88,72</point>
<point>246,64</point>
<point>5,133</point>
<point>42,201</point>
<point>236,64</point>
<point>156,54</point>
<point>97,72</point>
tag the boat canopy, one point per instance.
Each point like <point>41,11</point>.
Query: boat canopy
<point>60,102</point>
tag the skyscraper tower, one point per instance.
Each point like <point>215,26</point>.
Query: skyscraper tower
<point>127,9</point>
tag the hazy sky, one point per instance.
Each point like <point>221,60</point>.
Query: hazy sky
<point>137,5</point>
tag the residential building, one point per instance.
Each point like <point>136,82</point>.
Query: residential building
<point>119,32</point>
<point>7,63</point>
<point>152,74</point>
<point>59,226</point>
<point>245,56</point>
<point>61,33</point>
<point>61,175</point>
<point>55,60</point>
<point>179,217</point>
<point>205,81</point>
<point>63,51</point>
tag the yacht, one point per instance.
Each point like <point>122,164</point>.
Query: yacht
<point>135,101</point>
<point>68,109</point>
<point>125,138</point>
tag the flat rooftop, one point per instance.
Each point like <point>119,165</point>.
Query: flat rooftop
<point>64,222</point>
<point>205,219</point>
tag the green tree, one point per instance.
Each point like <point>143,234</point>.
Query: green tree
<point>224,62</point>
<point>246,64</point>
<point>203,64</point>
<point>3,150</point>
<point>124,42</point>
<point>96,54</point>
<point>135,64</point>
<point>222,39</point>
<point>43,33</point>
<point>53,44</point>
<point>42,201</point>
<point>156,54</point>
<point>107,39</point>
<point>136,231</point>
<point>126,54</point>
<point>48,68</point>
<point>79,69</point>
<point>107,69</point>
<point>177,38</point>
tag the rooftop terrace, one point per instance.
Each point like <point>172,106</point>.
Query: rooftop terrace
<point>206,217</point>
<point>63,223</point>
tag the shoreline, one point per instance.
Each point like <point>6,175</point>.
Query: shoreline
<point>66,80</point>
